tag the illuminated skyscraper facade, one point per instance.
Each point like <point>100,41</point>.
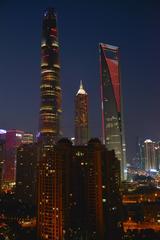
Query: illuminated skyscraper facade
<point>14,139</point>
<point>27,138</point>
<point>139,161</point>
<point>112,121</point>
<point>157,153</point>
<point>49,219</point>
<point>150,155</point>
<point>50,109</point>
<point>81,116</point>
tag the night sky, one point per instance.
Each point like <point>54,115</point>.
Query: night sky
<point>131,25</point>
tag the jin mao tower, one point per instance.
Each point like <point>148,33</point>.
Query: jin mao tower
<point>81,116</point>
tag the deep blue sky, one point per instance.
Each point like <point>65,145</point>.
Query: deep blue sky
<point>134,26</point>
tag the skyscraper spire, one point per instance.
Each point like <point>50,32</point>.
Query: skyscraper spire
<point>81,116</point>
<point>81,85</point>
<point>81,89</point>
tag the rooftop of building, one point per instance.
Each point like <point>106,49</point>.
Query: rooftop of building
<point>81,89</point>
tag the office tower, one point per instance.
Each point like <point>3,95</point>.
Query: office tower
<point>141,154</point>
<point>111,102</point>
<point>50,110</point>
<point>26,173</point>
<point>150,158</point>
<point>27,138</point>
<point>2,155</point>
<point>13,140</point>
<point>139,160</point>
<point>90,178</point>
<point>157,154</point>
<point>81,116</point>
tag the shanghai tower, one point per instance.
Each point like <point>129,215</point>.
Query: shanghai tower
<point>49,187</point>
<point>111,102</point>
<point>50,109</point>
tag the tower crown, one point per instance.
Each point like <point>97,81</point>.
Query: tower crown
<point>81,89</point>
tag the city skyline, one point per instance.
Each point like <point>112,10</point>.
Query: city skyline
<point>72,180</point>
<point>21,96</point>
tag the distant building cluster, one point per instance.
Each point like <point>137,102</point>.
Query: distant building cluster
<point>10,141</point>
<point>147,156</point>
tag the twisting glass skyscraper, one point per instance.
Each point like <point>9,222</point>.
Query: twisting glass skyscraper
<point>50,109</point>
<point>111,99</point>
<point>49,218</point>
